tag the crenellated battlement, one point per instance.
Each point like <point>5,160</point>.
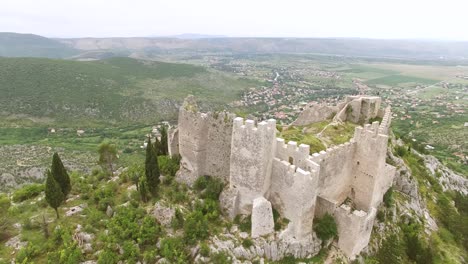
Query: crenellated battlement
<point>386,120</point>
<point>249,125</point>
<point>370,133</point>
<point>291,152</point>
<point>322,155</point>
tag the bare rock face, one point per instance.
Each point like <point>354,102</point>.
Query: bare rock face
<point>262,218</point>
<point>163,214</point>
<point>448,179</point>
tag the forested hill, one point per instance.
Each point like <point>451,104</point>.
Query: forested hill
<point>29,45</point>
<point>116,89</point>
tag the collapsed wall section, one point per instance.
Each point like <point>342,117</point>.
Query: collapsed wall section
<point>251,160</point>
<point>293,193</point>
<point>354,226</point>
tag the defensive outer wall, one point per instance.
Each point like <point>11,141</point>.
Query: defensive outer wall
<point>347,181</point>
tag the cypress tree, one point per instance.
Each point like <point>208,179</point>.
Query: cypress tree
<point>164,147</point>
<point>60,175</point>
<point>151,168</point>
<point>53,193</point>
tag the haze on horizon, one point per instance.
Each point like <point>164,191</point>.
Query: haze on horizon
<point>397,19</point>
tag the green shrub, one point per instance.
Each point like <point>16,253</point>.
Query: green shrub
<point>27,192</point>
<point>392,251</point>
<point>381,216</point>
<point>125,224</point>
<point>209,187</point>
<point>280,222</point>
<point>131,252</point>
<point>209,208</point>
<point>178,220</point>
<point>244,222</point>
<point>325,227</point>
<point>150,230</point>
<point>401,151</point>
<point>105,195</point>
<point>195,227</point>
<point>108,256</point>
<point>388,197</point>
<point>177,193</point>
<point>169,165</point>
<point>173,249</point>
<point>26,254</point>
<point>204,249</point>
<point>4,216</point>
<point>220,258</point>
<point>247,243</point>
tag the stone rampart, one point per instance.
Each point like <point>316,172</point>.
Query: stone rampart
<point>251,158</point>
<point>336,166</point>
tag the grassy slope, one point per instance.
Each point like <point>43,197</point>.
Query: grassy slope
<point>112,90</point>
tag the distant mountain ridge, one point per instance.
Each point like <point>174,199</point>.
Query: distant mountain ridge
<point>30,45</point>
<point>401,49</point>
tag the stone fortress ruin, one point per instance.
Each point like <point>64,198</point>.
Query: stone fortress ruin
<point>262,171</point>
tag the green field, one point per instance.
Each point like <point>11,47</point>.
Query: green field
<point>398,79</point>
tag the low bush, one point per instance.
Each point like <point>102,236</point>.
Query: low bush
<point>325,227</point>
<point>244,222</point>
<point>221,258</point>
<point>204,249</point>
<point>27,192</point>
<point>169,165</point>
<point>196,227</point>
<point>209,187</point>
<point>247,243</point>
<point>388,197</point>
<point>173,249</point>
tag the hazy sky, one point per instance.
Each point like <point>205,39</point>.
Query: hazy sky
<point>428,19</point>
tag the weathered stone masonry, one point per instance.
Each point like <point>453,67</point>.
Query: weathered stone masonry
<point>300,186</point>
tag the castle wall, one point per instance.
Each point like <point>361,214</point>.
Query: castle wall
<point>336,166</point>
<point>251,160</point>
<point>204,143</point>
<point>369,167</point>
<point>218,151</point>
<point>293,193</point>
<point>354,229</point>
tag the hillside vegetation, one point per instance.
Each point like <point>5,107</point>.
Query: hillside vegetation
<point>115,89</point>
<point>29,45</point>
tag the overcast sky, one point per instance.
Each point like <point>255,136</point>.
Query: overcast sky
<point>427,19</point>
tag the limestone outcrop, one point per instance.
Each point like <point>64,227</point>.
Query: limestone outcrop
<point>357,109</point>
<point>265,173</point>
